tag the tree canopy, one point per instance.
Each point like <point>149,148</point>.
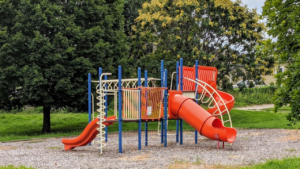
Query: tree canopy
<point>284,26</point>
<point>219,33</point>
<point>48,47</point>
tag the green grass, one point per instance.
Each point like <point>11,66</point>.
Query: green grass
<point>261,119</point>
<point>252,96</point>
<point>21,126</point>
<point>287,163</point>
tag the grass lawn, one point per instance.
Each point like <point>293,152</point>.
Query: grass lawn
<point>252,96</point>
<point>261,119</point>
<point>287,163</point>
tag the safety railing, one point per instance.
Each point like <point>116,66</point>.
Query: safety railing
<point>131,104</point>
<point>142,103</point>
<point>211,94</point>
<point>152,100</point>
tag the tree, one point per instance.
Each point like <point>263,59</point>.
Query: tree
<point>48,47</point>
<point>218,33</point>
<point>130,13</point>
<point>284,26</point>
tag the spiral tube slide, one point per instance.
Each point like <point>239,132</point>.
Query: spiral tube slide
<point>228,100</point>
<point>88,134</point>
<point>201,120</point>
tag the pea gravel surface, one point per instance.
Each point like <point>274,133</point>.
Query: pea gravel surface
<point>251,146</point>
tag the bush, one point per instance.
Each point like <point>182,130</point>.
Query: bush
<point>226,85</point>
<point>241,86</point>
<point>250,96</point>
<point>251,84</point>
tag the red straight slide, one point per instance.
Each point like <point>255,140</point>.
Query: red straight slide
<point>88,134</point>
<point>199,118</point>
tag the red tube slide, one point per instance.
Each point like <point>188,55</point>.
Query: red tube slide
<point>88,134</point>
<point>228,100</point>
<point>201,120</point>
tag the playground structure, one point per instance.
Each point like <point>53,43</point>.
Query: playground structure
<point>140,100</point>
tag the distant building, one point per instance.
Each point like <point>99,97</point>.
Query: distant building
<point>267,79</point>
<point>277,69</point>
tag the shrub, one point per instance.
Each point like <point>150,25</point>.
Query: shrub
<point>250,96</point>
<point>241,86</point>
<point>251,84</point>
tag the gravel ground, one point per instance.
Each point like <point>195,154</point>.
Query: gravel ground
<point>250,147</point>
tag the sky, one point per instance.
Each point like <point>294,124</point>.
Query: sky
<point>258,4</point>
<point>254,4</point>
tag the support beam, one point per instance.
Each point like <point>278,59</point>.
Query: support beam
<point>140,121</point>
<point>120,108</point>
<point>181,89</point>
<point>89,98</point>
<point>166,108</point>
<point>177,82</point>
<point>196,95</point>
<point>146,123</point>
<point>162,85</point>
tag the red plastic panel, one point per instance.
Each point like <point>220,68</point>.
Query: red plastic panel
<point>205,73</point>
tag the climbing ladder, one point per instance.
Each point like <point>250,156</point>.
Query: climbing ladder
<point>110,87</point>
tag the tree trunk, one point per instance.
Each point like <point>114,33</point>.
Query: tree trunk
<point>46,121</point>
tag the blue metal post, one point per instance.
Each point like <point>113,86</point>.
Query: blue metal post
<point>99,73</point>
<point>140,121</point>
<point>106,129</point>
<point>146,124</point>
<point>120,108</point>
<point>196,96</point>
<point>181,88</point>
<point>177,81</point>
<point>89,98</point>
<point>166,106</point>
<point>162,85</point>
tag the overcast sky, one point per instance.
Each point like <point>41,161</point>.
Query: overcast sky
<point>258,4</point>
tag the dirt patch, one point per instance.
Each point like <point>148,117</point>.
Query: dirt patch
<point>291,135</point>
<point>136,158</point>
<point>7,148</point>
<point>35,141</point>
<point>183,164</point>
<point>220,167</point>
<point>251,134</point>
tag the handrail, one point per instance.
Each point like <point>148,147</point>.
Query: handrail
<point>211,96</point>
<point>93,107</point>
<point>172,80</point>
